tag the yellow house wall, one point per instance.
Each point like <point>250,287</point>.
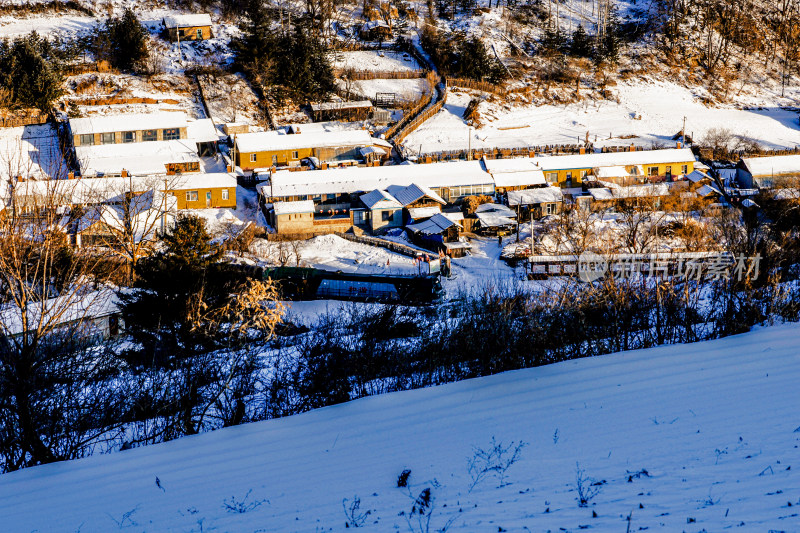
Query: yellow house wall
<point>264,159</point>
<point>189,33</point>
<point>216,198</point>
<point>577,180</point>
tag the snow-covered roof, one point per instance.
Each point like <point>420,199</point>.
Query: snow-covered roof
<point>60,310</point>
<point>497,209</point>
<point>494,220</point>
<point>615,159</point>
<point>455,216</point>
<point>139,159</point>
<point>293,208</point>
<point>411,193</point>
<point>769,166</point>
<point>611,172</point>
<point>544,195</point>
<point>187,21</point>
<point>379,199</point>
<point>202,131</point>
<point>357,179</point>
<point>791,193</point>
<point>747,202</point>
<point>127,122</point>
<point>32,152</point>
<point>99,190</point>
<point>419,213</point>
<point>369,150</point>
<point>515,172</point>
<point>373,24</point>
<point>433,226</point>
<point>642,191</point>
<point>268,141</point>
<point>707,190</point>
<point>697,176</point>
<point>601,194</point>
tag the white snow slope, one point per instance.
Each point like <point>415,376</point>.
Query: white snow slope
<point>714,425</point>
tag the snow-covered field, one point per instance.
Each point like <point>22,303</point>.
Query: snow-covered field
<point>408,90</point>
<point>50,25</point>
<point>700,437</point>
<point>651,112</point>
<point>374,60</point>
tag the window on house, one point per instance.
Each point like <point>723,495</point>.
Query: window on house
<point>87,139</point>
<point>388,216</point>
<point>652,171</point>
<point>171,134</point>
<point>107,138</point>
<point>252,158</point>
<point>274,159</point>
<point>295,155</point>
<point>550,209</point>
<point>684,169</point>
<point>191,196</point>
<point>199,33</point>
<point>149,135</point>
<point>583,174</point>
<point>552,177</point>
<point>358,217</point>
<point>129,136</point>
<point>224,194</point>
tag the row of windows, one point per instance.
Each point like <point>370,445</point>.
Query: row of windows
<point>295,155</point>
<point>469,190</point>
<point>168,134</point>
<point>192,196</point>
<point>552,177</point>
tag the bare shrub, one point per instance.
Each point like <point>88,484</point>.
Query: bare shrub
<point>494,460</point>
<point>587,487</point>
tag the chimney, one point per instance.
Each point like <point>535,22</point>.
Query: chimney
<point>124,173</point>
<point>679,145</point>
<point>228,168</point>
<point>71,176</point>
<point>632,148</point>
<point>323,166</point>
<point>582,150</point>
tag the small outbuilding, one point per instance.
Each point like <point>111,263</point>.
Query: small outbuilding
<point>192,27</point>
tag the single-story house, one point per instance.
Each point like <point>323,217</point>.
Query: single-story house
<point>623,167</point>
<point>539,202</point>
<point>383,211</point>
<point>273,149</point>
<point>293,217</point>
<point>495,217</point>
<point>190,27</point>
<point>768,172</point>
<point>514,174</point>
<point>95,314</point>
<point>375,30</point>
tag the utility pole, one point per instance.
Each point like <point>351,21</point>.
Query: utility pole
<point>683,133</point>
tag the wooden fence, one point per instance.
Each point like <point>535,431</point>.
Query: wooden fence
<point>484,86</point>
<point>27,119</point>
<point>523,151</point>
<point>381,74</point>
<point>120,100</point>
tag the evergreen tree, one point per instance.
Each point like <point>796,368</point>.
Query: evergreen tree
<point>553,41</point>
<point>31,70</point>
<point>123,41</point>
<point>609,47</point>
<point>253,49</point>
<point>581,45</point>
<point>474,62</point>
<point>173,289</point>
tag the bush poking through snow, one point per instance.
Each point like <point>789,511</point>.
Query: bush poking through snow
<point>402,479</point>
<point>495,460</point>
<point>353,514</point>
<point>242,506</point>
<point>422,510</point>
<point>587,487</point>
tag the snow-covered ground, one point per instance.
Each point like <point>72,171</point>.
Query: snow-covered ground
<point>408,90</point>
<point>374,60</point>
<point>650,112</point>
<point>48,25</point>
<point>31,151</point>
<point>699,437</point>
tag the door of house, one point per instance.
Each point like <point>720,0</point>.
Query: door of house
<point>208,199</point>
<point>199,34</point>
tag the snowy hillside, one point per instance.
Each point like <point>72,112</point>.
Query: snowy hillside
<point>697,437</point>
